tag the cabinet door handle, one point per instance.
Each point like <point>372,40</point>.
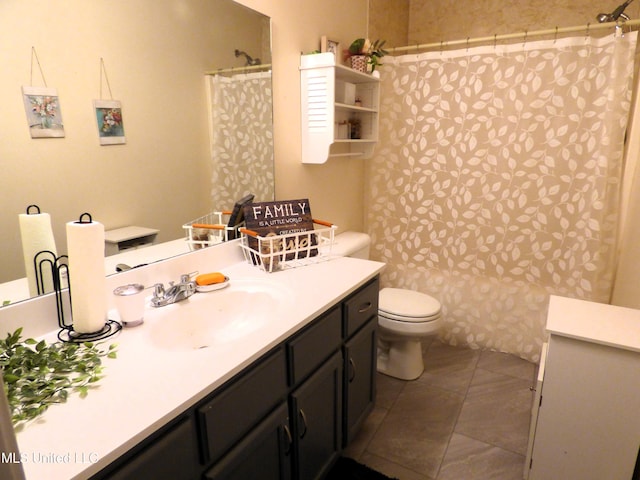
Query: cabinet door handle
<point>304,423</point>
<point>352,366</point>
<point>288,439</point>
<point>364,307</point>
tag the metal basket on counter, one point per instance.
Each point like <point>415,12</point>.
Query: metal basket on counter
<point>208,230</point>
<point>278,252</point>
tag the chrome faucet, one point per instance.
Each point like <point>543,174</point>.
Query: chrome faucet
<point>175,292</point>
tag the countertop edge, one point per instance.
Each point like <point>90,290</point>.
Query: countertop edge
<point>594,322</point>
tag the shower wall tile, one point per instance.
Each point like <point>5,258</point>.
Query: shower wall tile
<point>389,20</point>
<point>409,22</point>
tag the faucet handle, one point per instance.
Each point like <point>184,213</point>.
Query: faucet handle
<point>158,290</point>
<point>187,277</point>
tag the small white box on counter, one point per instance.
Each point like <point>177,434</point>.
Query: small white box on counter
<point>345,92</point>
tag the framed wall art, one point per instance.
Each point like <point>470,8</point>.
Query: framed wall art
<point>109,119</point>
<point>44,117</point>
<point>327,45</point>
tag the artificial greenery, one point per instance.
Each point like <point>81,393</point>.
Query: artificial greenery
<point>37,374</point>
<point>373,51</point>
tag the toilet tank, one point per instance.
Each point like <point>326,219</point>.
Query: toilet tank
<point>352,244</point>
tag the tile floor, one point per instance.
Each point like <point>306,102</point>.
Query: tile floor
<point>466,417</point>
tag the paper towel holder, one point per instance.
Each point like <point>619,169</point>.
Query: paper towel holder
<point>34,206</point>
<point>80,220</point>
<point>59,268</point>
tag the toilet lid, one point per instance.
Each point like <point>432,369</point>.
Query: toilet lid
<point>408,305</point>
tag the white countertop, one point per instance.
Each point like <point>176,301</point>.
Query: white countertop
<point>153,379</point>
<point>594,322</point>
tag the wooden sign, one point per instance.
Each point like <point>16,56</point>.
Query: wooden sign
<point>285,218</point>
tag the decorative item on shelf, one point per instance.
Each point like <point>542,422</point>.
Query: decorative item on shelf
<point>364,55</point>
<point>332,46</point>
<point>356,130</point>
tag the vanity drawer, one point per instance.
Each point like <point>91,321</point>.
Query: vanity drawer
<point>314,345</point>
<point>360,307</point>
<point>230,414</point>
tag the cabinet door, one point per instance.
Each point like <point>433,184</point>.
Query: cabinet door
<point>230,414</point>
<point>172,455</point>
<point>263,454</point>
<point>316,408</point>
<point>308,349</point>
<point>588,423</point>
<point>360,356</point>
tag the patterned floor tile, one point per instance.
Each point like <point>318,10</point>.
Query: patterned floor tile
<point>497,410</point>
<point>467,458</point>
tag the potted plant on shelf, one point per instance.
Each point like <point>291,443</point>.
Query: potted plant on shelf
<point>364,55</point>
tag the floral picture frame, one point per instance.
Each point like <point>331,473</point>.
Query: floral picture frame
<point>110,122</point>
<point>327,45</point>
<point>44,116</point>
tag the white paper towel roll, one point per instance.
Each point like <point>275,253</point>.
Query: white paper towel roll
<point>36,235</point>
<point>87,276</point>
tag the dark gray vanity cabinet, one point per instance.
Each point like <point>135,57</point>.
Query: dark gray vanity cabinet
<point>173,453</point>
<point>317,420</point>
<point>228,416</point>
<point>285,417</point>
<point>360,326</point>
<point>360,354</point>
<point>265,453</point>
<point>304,445</point>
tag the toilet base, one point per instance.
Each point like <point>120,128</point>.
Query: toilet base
<point>400,358</point>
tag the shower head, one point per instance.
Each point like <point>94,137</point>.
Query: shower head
<point>615,15</point>
<point>254,61</point>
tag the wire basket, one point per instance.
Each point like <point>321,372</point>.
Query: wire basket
<point>208,230</point>
<point>278,252</point>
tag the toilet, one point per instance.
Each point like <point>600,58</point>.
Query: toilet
<point>404,317</point>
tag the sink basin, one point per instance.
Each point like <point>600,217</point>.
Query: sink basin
<point>219,317</point>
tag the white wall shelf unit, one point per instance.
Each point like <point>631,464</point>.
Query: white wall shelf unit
<point>336,101</point>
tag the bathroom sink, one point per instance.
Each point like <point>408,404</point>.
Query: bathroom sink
<point>217,318</point>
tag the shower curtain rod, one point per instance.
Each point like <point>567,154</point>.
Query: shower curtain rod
<point>238,69</point>
<point>510,36</point>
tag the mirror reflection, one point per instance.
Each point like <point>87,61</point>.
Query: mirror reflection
<point>185,74</point>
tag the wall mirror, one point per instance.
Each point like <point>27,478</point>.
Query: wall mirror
<point>155,56</point>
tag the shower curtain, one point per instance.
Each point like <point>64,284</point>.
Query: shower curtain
<point>496,181</point>
<point>241,138</point>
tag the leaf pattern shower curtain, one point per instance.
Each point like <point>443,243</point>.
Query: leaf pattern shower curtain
<point>241,138</point>
<point>496,181</point>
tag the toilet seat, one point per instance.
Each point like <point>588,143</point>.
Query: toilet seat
<point>408,306</point>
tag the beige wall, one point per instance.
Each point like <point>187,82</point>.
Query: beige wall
<point>335,189</point>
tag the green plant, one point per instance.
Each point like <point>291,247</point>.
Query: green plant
<point>37,374</point>
<point>373,51</point>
